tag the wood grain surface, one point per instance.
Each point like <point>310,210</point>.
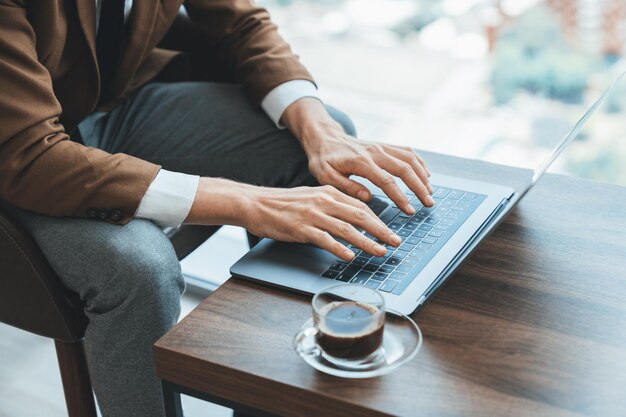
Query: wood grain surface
<point>533,324</point>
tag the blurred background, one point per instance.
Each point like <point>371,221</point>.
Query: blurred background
<point>498,80</point>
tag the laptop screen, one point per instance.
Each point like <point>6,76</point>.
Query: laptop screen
<point>608,103</point>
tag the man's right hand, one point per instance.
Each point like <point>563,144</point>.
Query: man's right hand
<point>313,215</point>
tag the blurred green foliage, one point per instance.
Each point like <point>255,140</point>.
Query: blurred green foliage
<point>532,55</point>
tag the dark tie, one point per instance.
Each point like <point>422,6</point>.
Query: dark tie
<point>109,42</point>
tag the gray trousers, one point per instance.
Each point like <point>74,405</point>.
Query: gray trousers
<point>128,276</point>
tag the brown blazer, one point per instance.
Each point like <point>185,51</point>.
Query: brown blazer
<point>49,82</point>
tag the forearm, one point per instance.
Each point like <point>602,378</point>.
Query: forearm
<point>219,201</point>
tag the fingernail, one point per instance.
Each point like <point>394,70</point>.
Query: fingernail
<point>410,209</point>
<point>363,195</point>
<point>430,201</point>
<point>430,189</point>
<point>348,254</point>
<point>380,249</point>
<point>395,239</point>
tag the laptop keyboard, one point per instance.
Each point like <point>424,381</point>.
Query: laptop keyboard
<point>422,234</point>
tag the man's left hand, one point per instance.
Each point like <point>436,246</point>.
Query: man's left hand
<point>334,156</point>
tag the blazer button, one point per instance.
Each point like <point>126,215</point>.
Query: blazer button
<point>92,213</point>
<point>103,214</point>
<point>116,215</point>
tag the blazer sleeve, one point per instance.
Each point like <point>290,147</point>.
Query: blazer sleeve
<point>248,42</point>
<point>41,170</point>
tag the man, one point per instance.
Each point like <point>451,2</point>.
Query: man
<point>94,155</point>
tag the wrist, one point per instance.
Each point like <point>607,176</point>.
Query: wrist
<point>220,201</point>
<point>309,121</point>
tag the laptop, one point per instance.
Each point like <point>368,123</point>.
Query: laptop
<point>435,240</point>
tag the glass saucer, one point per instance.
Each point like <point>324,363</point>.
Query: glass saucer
<point>402,340</point>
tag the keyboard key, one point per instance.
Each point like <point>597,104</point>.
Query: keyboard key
<point>347,274</point>
<point>435,233</point>
<point>431,221</point>
<point>410,226</point>
<point>360,260</point>
<point>404,268</point>
<point>429,239</point>
<point>362,277</point>
<point>379,276</point>
<point>377,260</point>
<point>389,214</point>
<point>456,194</point>
<point>398,276</point>
<point>413,240</point>
<point>388,285</point>
<point>370,267</point>
<point>408,262</point>
<point>438,215</point>
<point>425,227</point>
<point>393,261</point>
<point>470,196</point>
<point>373,284</point>
<point>329,273</point>
<point>418,233</point>
<point>403,232</point>
<point>442,193</point>
<point>417,254</point>
<point>338,266</point>
<point>387,269</point>
<point>424,246</point>
<point>394,225</point>
<point>406,247</point>
<point>400,254</point>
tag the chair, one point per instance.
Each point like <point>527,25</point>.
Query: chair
<point>33,298</point>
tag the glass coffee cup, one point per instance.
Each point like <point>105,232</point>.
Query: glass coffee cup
<point>349,320</point>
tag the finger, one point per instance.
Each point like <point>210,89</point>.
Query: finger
<point>354,202</point>
<point>344,230</point>
<point>348,186</point>
<point>421,161</point>
<point>361,216</point>
<point>385,181</point>
<point>325,241</point>
<point>405,172</point>
<point>410,158</point>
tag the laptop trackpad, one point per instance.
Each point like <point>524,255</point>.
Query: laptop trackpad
<point>286,264</point>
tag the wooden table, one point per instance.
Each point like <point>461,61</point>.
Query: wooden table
<point>533,324</point>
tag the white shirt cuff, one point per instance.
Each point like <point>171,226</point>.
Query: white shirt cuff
<point>169,198</point>
<point>281,97</point>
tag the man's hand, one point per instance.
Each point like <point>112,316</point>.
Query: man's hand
<point>334,156</point>
<point>304,214</point>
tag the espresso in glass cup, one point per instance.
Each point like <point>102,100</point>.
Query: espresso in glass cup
<point>350,322</point>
